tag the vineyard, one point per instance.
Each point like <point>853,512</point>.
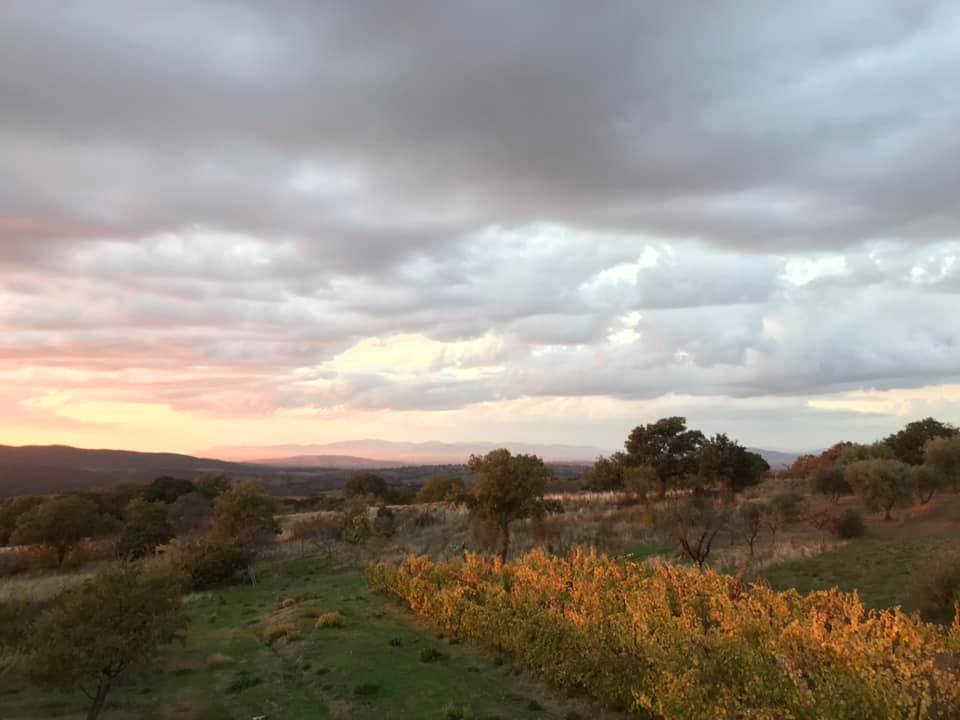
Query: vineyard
<point>669,642</point>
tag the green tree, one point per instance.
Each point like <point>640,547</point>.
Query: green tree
<point>190,514</point>
<point>10,512</point>
<point>942,455</point>
<point>365,484</point>
<point>855,452</point>
<point>668,447</point>
<point>830,480</point>
<point>146,526</point>
<point>109,626</point>
<point>727,463</point>
<point>508,487</point>
<point>881,485</point>
<point>166,489</point>
<point>245,515</point>
<point>908,444</point>
<point>212,484</point>
<point>61,523</point>
<point>927,481</point>
<point>441,488</point>
<point>606,473</point>
<point>639,481</point>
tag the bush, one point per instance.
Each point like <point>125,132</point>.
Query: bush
<point>935,588</point>
<point>210,564</point>
<point>356,530</point>
<point>849,524</point>
<point>329,620</point>
<point>287,631</point>
<point>385,522</point>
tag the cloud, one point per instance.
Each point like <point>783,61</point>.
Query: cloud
<point>322,207</point>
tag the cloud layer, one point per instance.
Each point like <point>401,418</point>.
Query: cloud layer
<point>234,212</point>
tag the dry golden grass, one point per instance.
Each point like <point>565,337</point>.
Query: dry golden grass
<point>329,620</point>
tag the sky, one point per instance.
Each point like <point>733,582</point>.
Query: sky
<point>300,222</point>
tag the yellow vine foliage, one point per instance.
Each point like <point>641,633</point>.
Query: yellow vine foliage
<point>672,643</point>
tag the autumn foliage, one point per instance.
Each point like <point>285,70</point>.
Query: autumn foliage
<point>675,643</point>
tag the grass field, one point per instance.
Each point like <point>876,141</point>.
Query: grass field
<point>880,570</point>
<point>880,565</point>
<point>370,667</point>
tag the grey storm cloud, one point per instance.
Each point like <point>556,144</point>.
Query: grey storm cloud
<point>620,192</point>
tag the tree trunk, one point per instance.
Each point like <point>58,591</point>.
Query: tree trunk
<point>886,514</point>
<point>505,541</point>
<point>61,556</point>
<point>99,700</point>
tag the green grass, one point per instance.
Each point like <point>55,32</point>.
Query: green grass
<point>645,552</point>
<point>368,668</point>
<point>879,569</point>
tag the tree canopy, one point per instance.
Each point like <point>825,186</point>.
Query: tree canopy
<point>110,625</point>
<point>146,526</point>
<point>908,443</point>
<point>166,489</point>
<point>942,455</point>
<point>668,447</point>
<point>441,488</point>
<point>606,473</point>
<point>881,485</point>
<point>727,463</point>
<point>245,515</point>
<point>365,483</point>
<point>61,523</point>
<point>508,487</point>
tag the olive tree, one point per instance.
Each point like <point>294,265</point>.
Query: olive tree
<point>881,485</point>
<point>942,455</point>
<point>508,488</point>
<point>111,625</point>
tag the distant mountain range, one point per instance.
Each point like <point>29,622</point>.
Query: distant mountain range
<point>363,454</point>
<point>297,469</point>
<point>403,453</point>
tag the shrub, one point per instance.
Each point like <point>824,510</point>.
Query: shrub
<point>210,564</point>
<point>287,631</point>
<point>329,620</point>
<point>384,522</point>
<point>849,524</point>
<point>356,530</point>
<point>935,588</point>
